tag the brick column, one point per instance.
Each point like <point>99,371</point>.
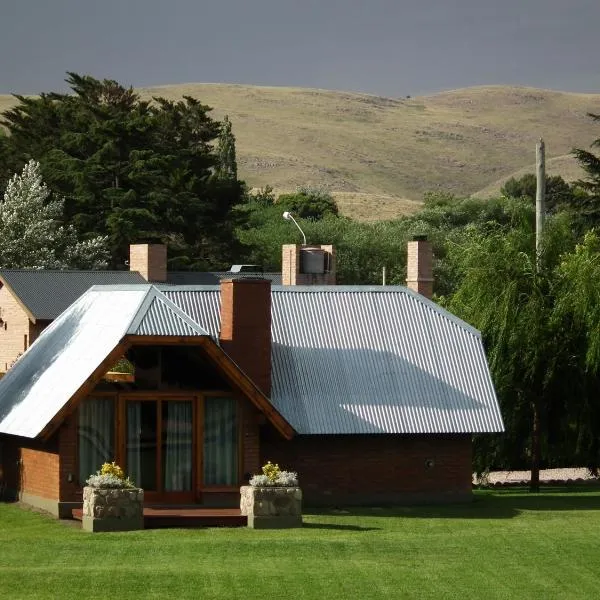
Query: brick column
<point>149,260</point>
<point>246,327</point>
<point>419,267</point>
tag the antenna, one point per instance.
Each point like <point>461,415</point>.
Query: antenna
<point>288,217</point>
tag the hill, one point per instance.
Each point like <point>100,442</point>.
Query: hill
<point>566,166</point>
<point>379,155</point>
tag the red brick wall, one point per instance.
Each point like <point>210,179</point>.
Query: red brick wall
<point>366,469</point>
<point>40,470</point>
<point>246,327</point>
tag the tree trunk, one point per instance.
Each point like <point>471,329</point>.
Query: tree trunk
<point>536,448</point>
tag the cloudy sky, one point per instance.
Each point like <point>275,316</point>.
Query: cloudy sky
<point>385,47</point>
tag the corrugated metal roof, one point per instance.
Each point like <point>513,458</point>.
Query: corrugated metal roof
<point>345,360</point>
<point>368,360</point>
<point>378,361</point>
<point>201,303</point>
<point>68,351</point>
<point>159,316</point>
<point>46,294</point>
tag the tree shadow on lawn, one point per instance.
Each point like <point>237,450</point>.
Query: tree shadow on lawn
<point>485,505</point>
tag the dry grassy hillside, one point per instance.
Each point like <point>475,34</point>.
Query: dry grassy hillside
<point>566,166</point>
<point>379,155</point>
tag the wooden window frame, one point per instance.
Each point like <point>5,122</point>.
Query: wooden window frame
<point>198,399</point>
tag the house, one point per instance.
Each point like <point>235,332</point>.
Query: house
<point>370,393</point>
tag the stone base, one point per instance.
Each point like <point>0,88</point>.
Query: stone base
<point>113,509</point>
<point>271,507</point>
<point>95,525</point>
<point>288,522</point>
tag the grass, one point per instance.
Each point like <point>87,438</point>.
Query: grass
<point>507,544</point>
<point>379,155</point>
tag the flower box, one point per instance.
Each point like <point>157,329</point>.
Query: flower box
<point>271,507</point>
<point>116,509</point>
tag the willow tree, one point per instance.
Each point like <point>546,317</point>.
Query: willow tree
<point>577,309</point>
<point>512,302</point>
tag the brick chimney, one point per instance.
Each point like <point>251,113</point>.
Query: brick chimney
<point>150,260</point>
<point>246,327</point>
<point>307,265</point>
<point>419,269</point>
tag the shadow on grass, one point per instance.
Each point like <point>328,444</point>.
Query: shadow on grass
<point>486,504</point>
<point>338,527</point>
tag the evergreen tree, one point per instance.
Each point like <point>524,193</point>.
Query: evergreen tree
<point>131,170</point>
<point>30,232</point>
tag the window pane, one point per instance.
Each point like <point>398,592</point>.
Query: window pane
<point>96,435</point>
<point>220,442</point>
<point>141,443</point>
<point>177,446</point>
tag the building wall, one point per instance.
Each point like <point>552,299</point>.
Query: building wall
<point>368,469</point>
<point>30,471</point>
<point>14,332</point>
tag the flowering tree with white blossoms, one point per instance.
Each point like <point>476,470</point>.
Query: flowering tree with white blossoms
<point>31,235</point>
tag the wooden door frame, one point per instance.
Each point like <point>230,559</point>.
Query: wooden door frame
<point>160,495</point>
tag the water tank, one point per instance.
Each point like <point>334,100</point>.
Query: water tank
<point>312,260</point>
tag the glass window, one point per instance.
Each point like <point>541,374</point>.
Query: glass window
<point>96,435</point>
<point>177,431</point>
<point>142,443</point>
<point>220,442</point>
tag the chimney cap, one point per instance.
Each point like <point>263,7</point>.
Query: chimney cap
<point>421,237</point>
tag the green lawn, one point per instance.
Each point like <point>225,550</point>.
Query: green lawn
<point>503,545</point>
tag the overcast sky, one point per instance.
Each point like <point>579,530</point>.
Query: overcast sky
<point>385,47</point>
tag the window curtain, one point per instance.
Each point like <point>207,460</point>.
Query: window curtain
<point>96,435</point>
<point>134,432</point>
<point>220,442</point>
<point>177,445</point>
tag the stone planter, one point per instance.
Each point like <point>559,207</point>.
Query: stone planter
<point>113,509</point>
<point>271,507</point>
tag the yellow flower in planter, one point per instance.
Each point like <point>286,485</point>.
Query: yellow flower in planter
<point>271,471</point>
<point>112,469</point>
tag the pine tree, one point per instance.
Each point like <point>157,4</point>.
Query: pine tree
<point>30,232</point>
<point>131,170</point>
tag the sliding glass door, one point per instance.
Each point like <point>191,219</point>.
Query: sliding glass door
<point>159,446</point>
<point>177,448</point>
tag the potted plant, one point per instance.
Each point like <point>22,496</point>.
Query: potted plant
<point>273,500</point>
<point>111,502</point>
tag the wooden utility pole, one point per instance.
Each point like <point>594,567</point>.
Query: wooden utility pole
<point>540,212</point>
<point>540,195</point>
